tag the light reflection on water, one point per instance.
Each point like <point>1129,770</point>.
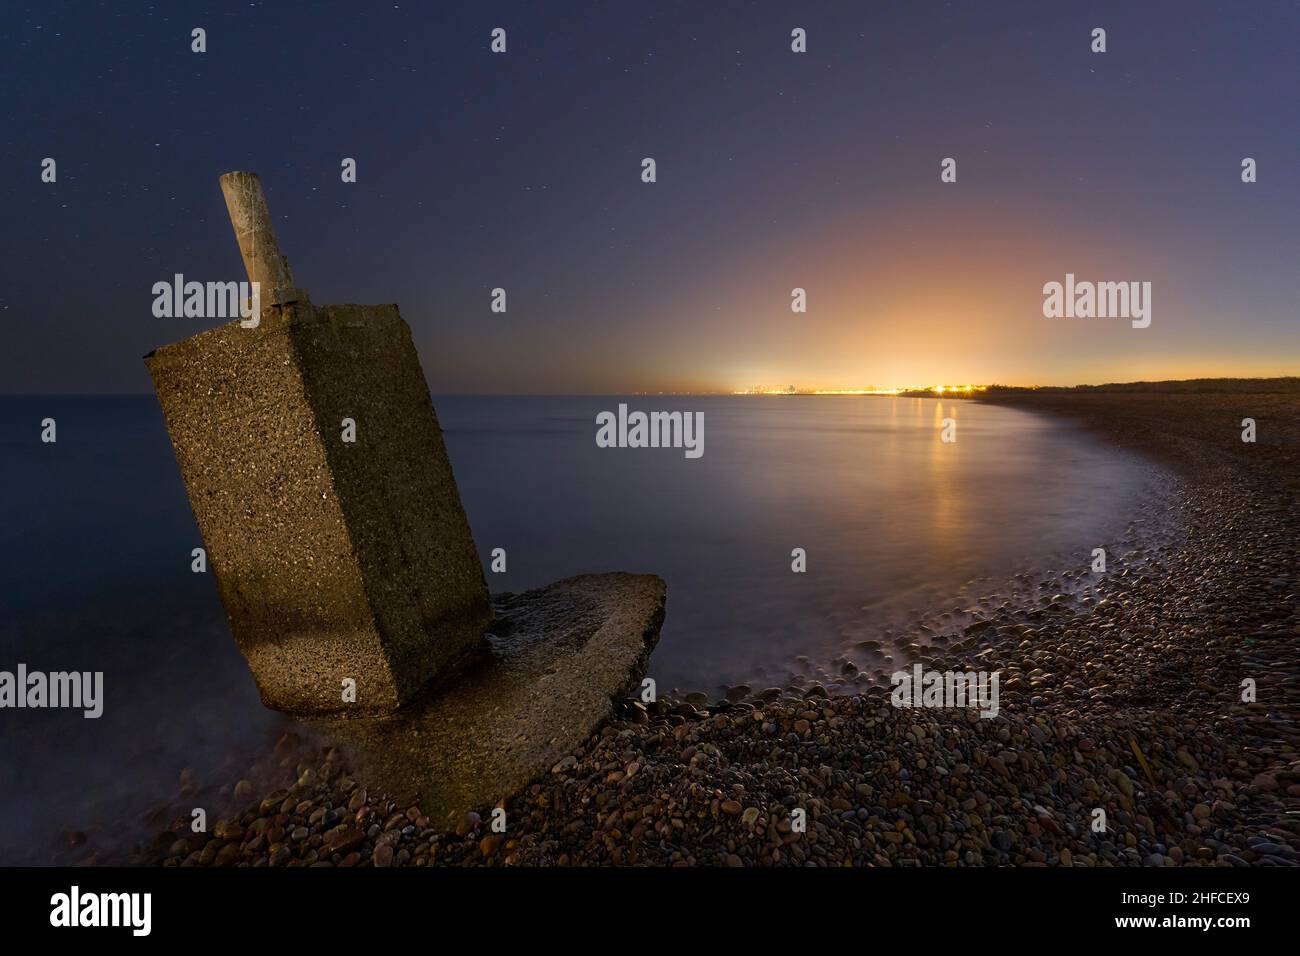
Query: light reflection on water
<point>96,538</point>
<point>891,517</point>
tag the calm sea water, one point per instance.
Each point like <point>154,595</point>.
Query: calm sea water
<point>97,532</point>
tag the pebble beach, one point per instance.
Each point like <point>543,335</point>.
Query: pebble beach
<point>1121,695</point>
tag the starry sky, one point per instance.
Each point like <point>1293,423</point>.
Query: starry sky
<point>775,170</point>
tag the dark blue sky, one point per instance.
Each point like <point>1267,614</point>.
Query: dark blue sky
<point>775,170</point>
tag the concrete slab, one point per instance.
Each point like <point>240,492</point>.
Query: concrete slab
<point>558,660</point>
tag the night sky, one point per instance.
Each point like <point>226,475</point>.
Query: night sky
<point>775,170</point>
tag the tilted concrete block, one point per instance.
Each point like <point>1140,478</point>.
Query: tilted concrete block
<point>335,560</point>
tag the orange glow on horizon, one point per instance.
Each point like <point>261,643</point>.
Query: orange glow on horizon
<point>964,390</point>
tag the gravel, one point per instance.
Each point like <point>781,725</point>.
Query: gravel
<point>1120,694</point>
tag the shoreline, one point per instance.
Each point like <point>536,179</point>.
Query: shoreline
<point>1128,702</point>
<point>933,629</point>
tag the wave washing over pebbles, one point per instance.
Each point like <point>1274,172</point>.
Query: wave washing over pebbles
<point>1129,702</point>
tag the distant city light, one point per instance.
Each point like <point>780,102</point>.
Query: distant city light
<point>792,390</point>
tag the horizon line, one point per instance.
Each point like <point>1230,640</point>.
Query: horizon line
<point>955,390</point>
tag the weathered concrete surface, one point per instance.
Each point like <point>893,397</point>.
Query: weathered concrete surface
<point>334,560</point>
<point>251,219</point>
<point>560,657</point>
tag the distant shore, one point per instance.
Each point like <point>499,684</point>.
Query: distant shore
<point>1125,700</point>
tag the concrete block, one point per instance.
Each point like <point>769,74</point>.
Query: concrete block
<point>334,560</point>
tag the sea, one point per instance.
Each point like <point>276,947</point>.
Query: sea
<point>888,522</point>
